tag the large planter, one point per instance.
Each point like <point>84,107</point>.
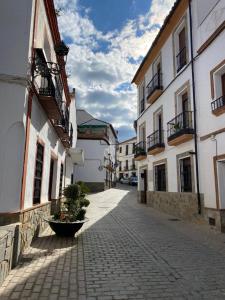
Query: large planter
<point>65,228</point>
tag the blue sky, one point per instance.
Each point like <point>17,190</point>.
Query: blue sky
<point>108,39</point>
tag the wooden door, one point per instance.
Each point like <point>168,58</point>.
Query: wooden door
<point>50,179</point>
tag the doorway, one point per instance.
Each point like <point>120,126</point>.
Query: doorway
<point>51,179</point>
<point>144,187</point>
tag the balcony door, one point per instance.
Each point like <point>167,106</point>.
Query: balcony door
<point>182,46</point>
<point>223,84</point>
<point>160,127</point>
<point>185,109</point>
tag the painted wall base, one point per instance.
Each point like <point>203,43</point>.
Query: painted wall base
<point>180,205</point>
<point>218,216</point>
<point>14,238</point>
<point>95,187</point>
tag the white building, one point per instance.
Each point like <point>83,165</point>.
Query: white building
<point>98,139</point>
<point>38,116</point>
<point>179,164</point>
<point>126,165</point>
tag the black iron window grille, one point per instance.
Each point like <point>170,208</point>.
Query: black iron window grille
<point>160,177</point>
<point>38,174</point>
<point>181,124</point>
<point>155,84</point>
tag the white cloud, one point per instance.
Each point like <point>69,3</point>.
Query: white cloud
<point>97,74</point>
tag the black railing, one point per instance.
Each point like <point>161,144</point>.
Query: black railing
<point>155,84</point>
<point>142,105</point>
<point>125,168</point>
<point>132,167</point>
<point>218,103</point>
<point>140,149</point>
<point>156,139</point>
<point>181,59</point>
<point>181,124</point>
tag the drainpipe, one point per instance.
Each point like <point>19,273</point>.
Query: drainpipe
<point>195,111</point>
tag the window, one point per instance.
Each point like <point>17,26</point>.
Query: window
<point>180,46</point>
<point>185,175</point>
<point>127,148</point>
<point>160,177</point>
<point>133,150</point>
<point>142,98</point>
<point>38,174</point>
<point>61,180</point>
<point>126,165</point>
<point>120,149</point>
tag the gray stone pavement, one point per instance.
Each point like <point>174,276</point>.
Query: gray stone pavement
<point>125,251</point>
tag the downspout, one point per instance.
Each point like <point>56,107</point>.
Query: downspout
<point>195,111</point>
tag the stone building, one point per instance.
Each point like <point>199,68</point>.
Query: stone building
<point>98,139</point>
<point>38,119</point>
<point>126,165</point>
<point>180,123</point>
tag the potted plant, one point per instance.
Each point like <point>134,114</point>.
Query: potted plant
<point>71,216</point>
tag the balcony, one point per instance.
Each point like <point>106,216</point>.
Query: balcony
<point>49,88</point>
<point>140,151</point>
<point>125,168</point>
<point>155,142</point>
<point>93,132</point>
<point>181,59</point>
<point>67,141</point>
<point>142,105</point>
<point>155,88</point>
<point>62,126</point>
<point>180,129</point>
<point>218,106</point>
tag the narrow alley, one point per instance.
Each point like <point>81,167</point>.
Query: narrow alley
<point>125,251</point>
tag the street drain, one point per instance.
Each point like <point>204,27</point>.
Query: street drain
<point>174,220</point>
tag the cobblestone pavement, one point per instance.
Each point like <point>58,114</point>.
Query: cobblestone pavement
<point>125,251</point>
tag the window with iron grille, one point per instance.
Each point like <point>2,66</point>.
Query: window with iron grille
<point>185,175</point>
<point>127,148</point>
<point>160,177</point>
<point>61,180</point>
<point>38,174</point>
<point>120,149</point>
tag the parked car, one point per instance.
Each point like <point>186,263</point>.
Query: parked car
<point>133,180</point>
<point>124,180</point>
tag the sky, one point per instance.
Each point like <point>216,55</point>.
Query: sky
<point>108,40</point>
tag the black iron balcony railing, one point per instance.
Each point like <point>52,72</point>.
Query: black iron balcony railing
<point>125,168</point>
<point>218,104</point>
<point>140,149</point>
<point>181,59</point>
<point>156,139</point>
<point>142,105</point>
<point>155,84</point>
<point>181,124</point>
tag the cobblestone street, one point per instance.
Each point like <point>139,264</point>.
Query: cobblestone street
<point>125,251</point>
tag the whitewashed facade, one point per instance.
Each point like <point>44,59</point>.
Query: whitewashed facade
<point>98,139</point>
<point>178,134</point>
<point>126,165</point>
<point>38,115</point>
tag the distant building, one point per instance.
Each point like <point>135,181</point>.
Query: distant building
<point>126,165</point>
<point>98,139</point>
<point>180,119</point>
